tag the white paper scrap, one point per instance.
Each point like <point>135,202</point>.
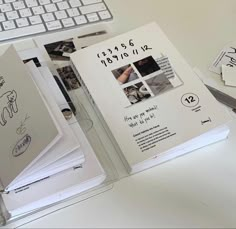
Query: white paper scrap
<point>229,75</point>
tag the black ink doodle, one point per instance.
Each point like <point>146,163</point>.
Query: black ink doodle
<point>205,121</point>
<point>22,128</point>
<point>2,81</point>
<point>8,103</point>
<point>21,146</point>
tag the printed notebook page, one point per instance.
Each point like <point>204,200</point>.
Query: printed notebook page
<point>26,124</point>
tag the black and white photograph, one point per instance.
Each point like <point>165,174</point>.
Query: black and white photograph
<point>59,53</point>
<point>159,84</point>
<point>125,74</point>
<point>146,78</point>
<point>69,78</point>
<point>147,66</point>
<point>136,93</point>
<point>60,50</point>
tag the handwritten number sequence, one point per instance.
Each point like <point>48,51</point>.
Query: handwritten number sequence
<point>110,55</point>
<point>116,48</point>
<point>109,60</point>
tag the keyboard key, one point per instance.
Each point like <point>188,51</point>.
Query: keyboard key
<point>87,2</point>
<point>44,2</point>
<point>92,17</point>
<point>80,20</point>
<point>25,12</point>
<point>63,5</point>
<point>50,8</point>
<point>73,12</point>
<point>52,25</point>
<point>38,10</point>
<point>68,22</point>
<point>104,14</point>
<point>61,14</point>
<point>5,7</point>
<point>92,8</point>
<point>2,17</point>
<point>31,3</point>
<point>12,15</point>
<point>18,5</point>
<point>21,22</point>
<point>7,1</point>
<point>35,20</point>
<point>75,3</point>
<point>19,32</point>
<point>8,25</point>
<point>48,17</point>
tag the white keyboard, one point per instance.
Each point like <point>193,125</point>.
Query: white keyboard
<point>20,18</point>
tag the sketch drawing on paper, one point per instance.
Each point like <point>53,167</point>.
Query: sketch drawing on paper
<point>8,103</point>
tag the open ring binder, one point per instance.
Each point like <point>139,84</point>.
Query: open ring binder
<point>163,112</point>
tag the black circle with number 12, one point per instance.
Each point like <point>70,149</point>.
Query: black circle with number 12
<point>190,100</point>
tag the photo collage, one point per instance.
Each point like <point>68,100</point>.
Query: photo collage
<point>146,78</point>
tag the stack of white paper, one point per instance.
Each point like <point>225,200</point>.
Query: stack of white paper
<point>155,110</point>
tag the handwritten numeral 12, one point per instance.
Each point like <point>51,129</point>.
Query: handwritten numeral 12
<point>145,48</point>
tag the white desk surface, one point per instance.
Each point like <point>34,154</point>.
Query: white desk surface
<point>198,189</point>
